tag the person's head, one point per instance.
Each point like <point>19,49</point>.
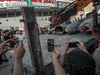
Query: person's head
<point>6,32</point>
<point>20,32</point>
<point>78,62</point>
<point>17,28</point>
<point>2,31</point>
<point>12,28</point>
<point>96,32</point>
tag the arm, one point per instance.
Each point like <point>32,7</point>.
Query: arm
<point>19,52</point>
<point>15,37</point>
<point>18,67</point>
<point>59,63</point>
<point>82,47</point>
<point>58,68</point>
<point>88,26</point>
<point>61,60</point>
<point>63,53</point>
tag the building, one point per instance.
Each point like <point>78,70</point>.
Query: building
<point>43,10</point>
<point>11,10</point>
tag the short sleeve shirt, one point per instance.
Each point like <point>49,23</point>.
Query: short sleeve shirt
<point>21,37</point>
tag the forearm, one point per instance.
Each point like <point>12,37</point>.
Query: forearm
<point>18,67</point>
<point>87,52</point>
<point>58,69</point>
<point>61,59</point>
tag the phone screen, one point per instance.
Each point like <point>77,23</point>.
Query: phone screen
<point>50,43</point>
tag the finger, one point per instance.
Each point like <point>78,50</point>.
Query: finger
<point>53,51</point>
<point>56,51</point>
<point>6,41</point>
<point>78,45</point>
<point>10,48</point>
<point>15,46</point>
<point>87,25</point>
<point>67,44</point>
<point>20,44</point>
<point>64,44</point>
<point>80,42</point>
<point>89,30</point>
<point>23,48</point>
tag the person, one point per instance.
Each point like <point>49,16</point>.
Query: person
<point>10,29</point>
<point>6,37</point>
<point>2,34</point>
<point>12,33</point>
<point>39,29</point>
<point>42,31</point>
<point>96,33</point>
<point>20,36</point>
<point>24,31</point>
<point>45,30</point>
<point>19,52</point>
<point>17,29</point>
<point>77,62</point>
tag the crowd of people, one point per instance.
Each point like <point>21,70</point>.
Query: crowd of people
<point>77,62</point>
<point>12,33</point>
<point>15,33</point>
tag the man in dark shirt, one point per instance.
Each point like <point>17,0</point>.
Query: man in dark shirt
<point>12,33</point>
<point>6,37</point>
<point>17,29</point>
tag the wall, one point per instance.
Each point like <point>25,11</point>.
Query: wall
<point>12,21</point>
<point>42,20</point>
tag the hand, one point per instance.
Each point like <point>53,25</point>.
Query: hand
<point>64,47</point>
<point>88,26</point>
<point>19,51</point>
<point>81,46</point>
<point>55,54</point>
<point>4,48</point>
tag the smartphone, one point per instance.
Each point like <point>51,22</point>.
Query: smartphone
<point>50,43</point>
<point>73,44</point>
<point>13,43</point>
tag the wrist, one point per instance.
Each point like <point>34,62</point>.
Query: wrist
<point>18,60</point>
<point>63,52</point>
<point>54,60</point>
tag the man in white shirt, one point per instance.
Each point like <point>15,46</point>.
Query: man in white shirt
<point>20,36</point>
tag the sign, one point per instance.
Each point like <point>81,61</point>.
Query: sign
<point>24,3</point>
<point>46,1</point>
<point>62,4</point>
<point>49,1</point>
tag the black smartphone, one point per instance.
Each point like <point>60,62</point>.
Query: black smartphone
<point>50,43</point>
<point>13,43</point>
<point>72,44</point>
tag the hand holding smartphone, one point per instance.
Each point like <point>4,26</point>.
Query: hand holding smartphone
<point>72,44</point>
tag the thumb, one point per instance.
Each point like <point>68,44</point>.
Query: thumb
<point>78,45</point>
<point>15,46</point>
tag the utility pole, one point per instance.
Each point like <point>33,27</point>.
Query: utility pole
<point>31,28</point>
